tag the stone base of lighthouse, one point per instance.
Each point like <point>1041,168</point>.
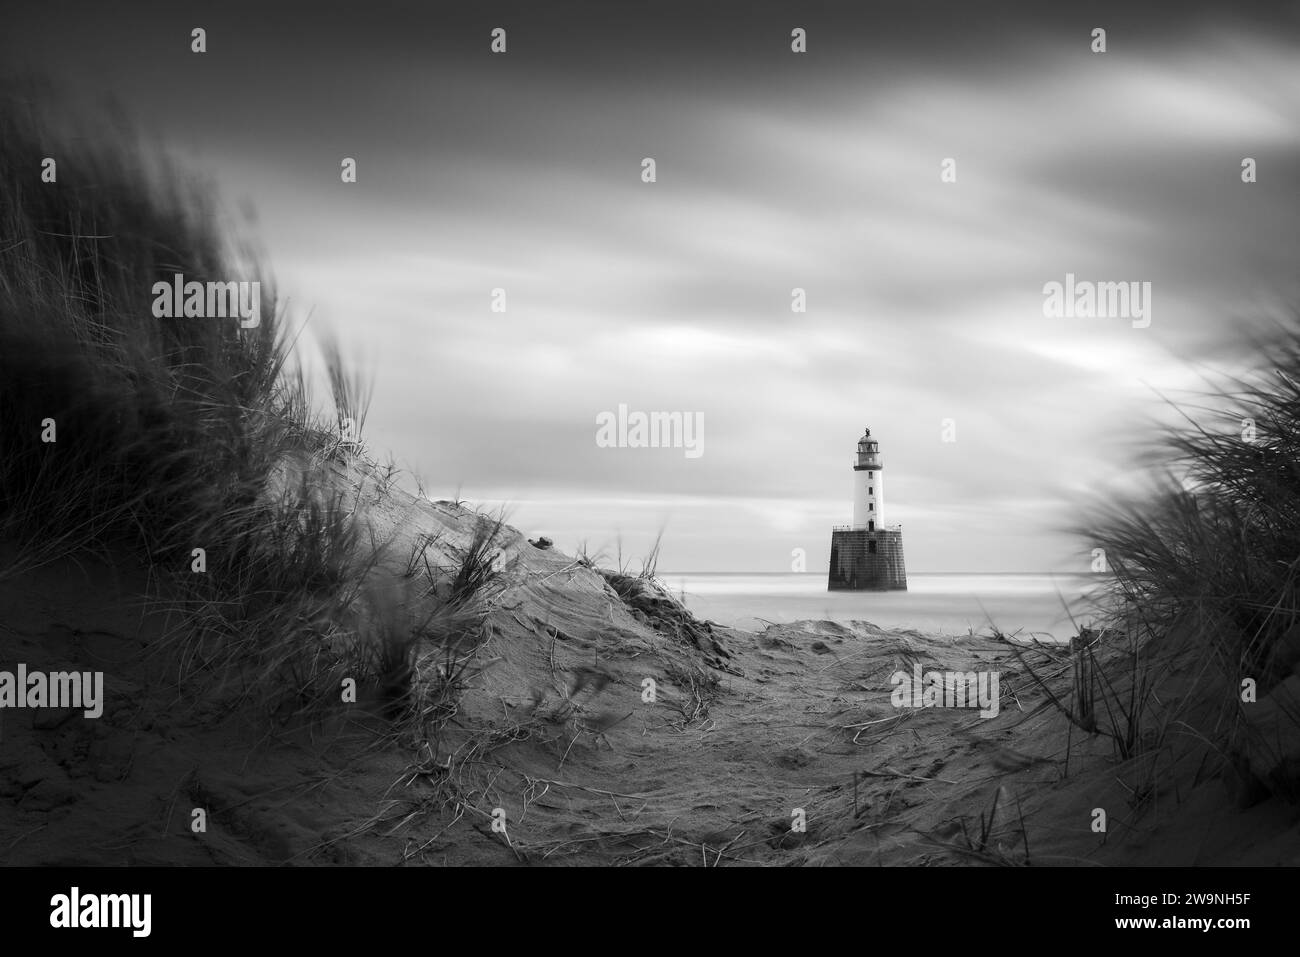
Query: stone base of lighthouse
<point>864,560</point>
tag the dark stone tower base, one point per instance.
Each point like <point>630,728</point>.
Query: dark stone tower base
<point>864,560</point>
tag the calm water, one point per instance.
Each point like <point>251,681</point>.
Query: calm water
<point>937,603</point>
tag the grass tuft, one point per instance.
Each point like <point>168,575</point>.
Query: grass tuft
<point>1205,572</point>
<point>191,444</point>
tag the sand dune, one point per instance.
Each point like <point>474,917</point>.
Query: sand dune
<point>749,736</point>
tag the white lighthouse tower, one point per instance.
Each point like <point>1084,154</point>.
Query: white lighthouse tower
<point>868,485</point>
<point>867,555</point>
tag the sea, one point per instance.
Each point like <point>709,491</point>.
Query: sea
<point>1049,607</point>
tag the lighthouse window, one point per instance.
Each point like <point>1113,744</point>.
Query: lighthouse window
<point>870,474</point>
<point>871,506</point>
<point>871,490</point>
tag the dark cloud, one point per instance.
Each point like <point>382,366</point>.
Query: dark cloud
<point>775,171</point>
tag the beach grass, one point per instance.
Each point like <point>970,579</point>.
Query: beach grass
<point>189,445</point>
<point>1204,572</point>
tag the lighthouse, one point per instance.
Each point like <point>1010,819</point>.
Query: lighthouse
<point>867,555</point>
<point>868,484</point>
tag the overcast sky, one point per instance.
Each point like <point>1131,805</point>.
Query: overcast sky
<point>775,170</point>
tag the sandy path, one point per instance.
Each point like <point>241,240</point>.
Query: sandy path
<point>557,731</point>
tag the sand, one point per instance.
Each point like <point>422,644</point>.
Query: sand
<point>779,746</point>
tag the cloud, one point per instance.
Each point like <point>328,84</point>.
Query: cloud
<point>924,298</point>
